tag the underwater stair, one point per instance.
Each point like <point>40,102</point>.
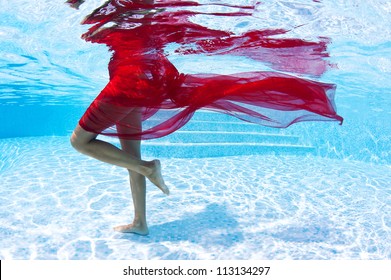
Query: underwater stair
<point>211,134</point>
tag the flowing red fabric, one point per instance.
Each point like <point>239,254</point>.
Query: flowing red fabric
<point>145,84</point>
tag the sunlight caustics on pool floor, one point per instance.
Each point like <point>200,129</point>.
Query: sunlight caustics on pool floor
<point>57,204</point>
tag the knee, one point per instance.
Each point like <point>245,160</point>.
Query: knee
<point>76,143</point>
<point>81,140</point>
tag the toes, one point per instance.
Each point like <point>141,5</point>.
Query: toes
<point>166,190</point>
<point>158,178</point>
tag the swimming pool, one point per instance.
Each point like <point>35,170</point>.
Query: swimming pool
<point>311,191</point>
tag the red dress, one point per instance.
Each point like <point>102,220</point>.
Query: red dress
<point>142,77</point>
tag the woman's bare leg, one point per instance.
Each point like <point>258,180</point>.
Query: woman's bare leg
<point>85,142</point>
<point>137,180</point>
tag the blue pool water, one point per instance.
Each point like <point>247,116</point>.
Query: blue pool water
<point>312,191</point>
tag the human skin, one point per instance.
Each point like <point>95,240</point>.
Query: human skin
<point>128,156</point>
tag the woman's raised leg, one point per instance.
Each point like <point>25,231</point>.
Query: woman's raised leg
<point>85,142</point>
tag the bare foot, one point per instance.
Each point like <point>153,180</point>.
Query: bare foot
<point>157,178</point>
<point>137,229</point>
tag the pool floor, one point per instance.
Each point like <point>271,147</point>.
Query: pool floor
<point>58,204</point>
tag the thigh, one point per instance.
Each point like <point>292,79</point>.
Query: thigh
<point>131,124</point>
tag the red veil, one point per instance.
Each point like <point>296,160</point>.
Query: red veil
<point>143,79</point>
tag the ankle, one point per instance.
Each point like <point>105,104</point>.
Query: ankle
<point>147,168</point>
<point>138,222</point>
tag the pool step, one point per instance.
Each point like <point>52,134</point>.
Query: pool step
<point>210,134</point>
<point>227,125</point>
<point>191,150</point>
<point>190,144</point>
<point>186,136</point>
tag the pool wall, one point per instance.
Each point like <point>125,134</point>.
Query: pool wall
<point>362,137</point>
